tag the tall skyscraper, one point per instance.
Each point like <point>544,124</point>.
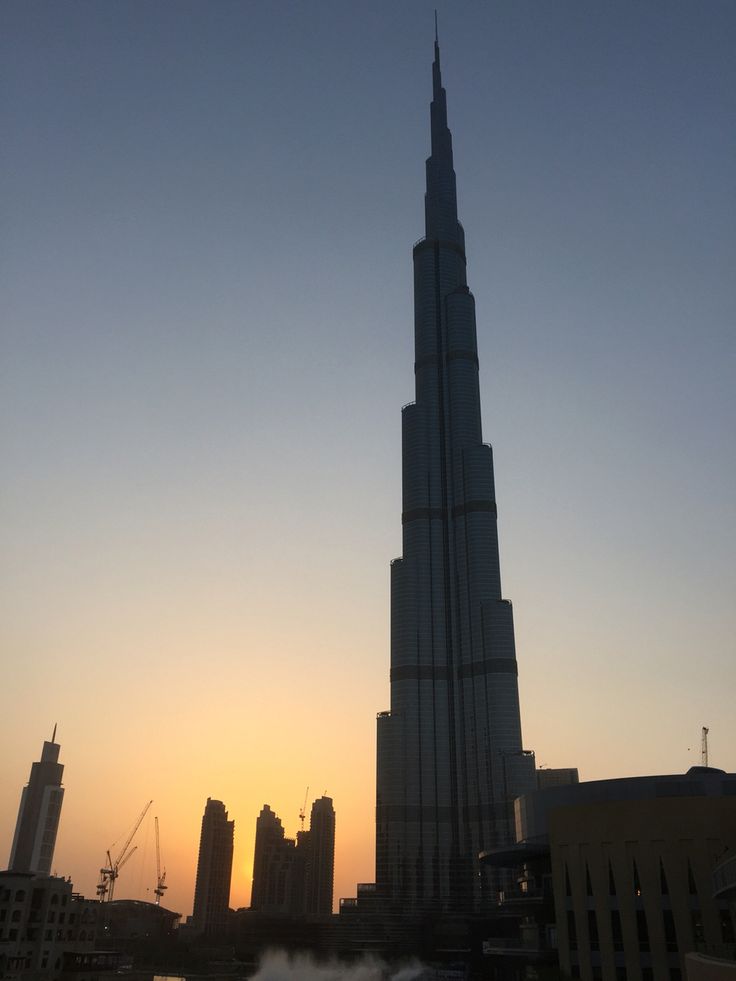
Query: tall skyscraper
<point>320,861</point>
<point>214,869</point>
<point>38,815</point>
<point>450,758</point>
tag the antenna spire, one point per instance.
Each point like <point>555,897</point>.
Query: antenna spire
<point>53,737</point>
<point>436,32</point>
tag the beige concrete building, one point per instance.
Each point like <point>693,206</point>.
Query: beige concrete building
<point>631,864</point>
<point>633,878</point>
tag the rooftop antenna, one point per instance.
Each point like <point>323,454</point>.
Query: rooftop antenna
<point>704,746</point>
<point>53,737</point>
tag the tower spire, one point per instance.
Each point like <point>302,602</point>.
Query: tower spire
<point>441,198</point>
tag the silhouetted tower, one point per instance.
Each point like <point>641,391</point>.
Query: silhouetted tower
<point>295,876</point>
<point>214,869</point>
<point>450,758</point>
<point>38,815</point>
<point>277,885</point>
<point>320,859</point>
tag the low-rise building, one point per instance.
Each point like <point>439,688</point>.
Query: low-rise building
<point>42,923</point>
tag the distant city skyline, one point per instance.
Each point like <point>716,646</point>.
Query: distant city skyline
<point>207,331</point>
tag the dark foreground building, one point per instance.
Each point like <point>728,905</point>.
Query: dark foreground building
<point>214,870</point>
<point>450,758</point>
<point>44,926</point>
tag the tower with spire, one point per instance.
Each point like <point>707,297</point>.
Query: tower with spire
<point>38,815</point>
<point>450,757</point>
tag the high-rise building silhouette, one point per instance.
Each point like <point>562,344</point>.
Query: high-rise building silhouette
<point>274,887</point>
<point>214,869</point>
<point>450,758</point>
<point>38,815</point>
<point>320,859</point>
<point>294,876</point>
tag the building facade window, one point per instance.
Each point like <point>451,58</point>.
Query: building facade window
<point>670,933</point>
<point>616,931</point>
<point>642,930</point>
<point>593,930</point>
<point>698,932</point>
<point>728,935</point>
<point>691,887</point>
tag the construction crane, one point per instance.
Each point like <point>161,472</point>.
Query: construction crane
<point>105,877</point>
<point>303,811</point>
<point>704,746</point>
<point>110,872</point>
<point>160,879</point>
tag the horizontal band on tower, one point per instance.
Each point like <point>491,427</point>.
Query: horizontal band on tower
<point>430,243</point>
<point>429,813</point>
<point>473,669</point>
<point>462,509</point>
<point>433,359</point>
<point>417,513</point>
<point>459,511</point>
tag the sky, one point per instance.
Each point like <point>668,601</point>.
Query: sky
<point>207,336</point>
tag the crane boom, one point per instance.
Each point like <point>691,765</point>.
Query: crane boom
<point>130,837</point>
<point>303,811</point>
<point>129,855</point>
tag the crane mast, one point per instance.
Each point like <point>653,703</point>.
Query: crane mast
<point>160,879</point>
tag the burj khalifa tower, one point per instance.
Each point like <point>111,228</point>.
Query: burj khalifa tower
<point>450,757</point>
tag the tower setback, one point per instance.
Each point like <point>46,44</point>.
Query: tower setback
<point>450,757</point>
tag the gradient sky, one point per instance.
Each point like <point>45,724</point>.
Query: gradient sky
<point>208,213</point>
